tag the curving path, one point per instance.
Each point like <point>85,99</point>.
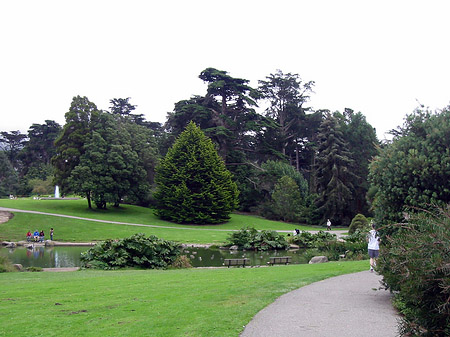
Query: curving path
<point>349,305</point>
<point>6,209</point>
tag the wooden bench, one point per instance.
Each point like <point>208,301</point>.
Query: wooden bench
<point>236,262</point>
<point>280,260</point>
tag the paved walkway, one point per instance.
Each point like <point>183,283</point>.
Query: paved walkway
<point>348,305</point>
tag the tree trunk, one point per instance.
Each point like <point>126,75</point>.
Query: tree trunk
<point>88,197</point>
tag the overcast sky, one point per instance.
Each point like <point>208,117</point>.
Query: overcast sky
<point>377,57</point>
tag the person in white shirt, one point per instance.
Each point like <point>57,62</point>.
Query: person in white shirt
<point>373,246</point>
<point>328,225</point>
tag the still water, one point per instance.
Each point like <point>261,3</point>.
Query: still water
<point>69,256</point>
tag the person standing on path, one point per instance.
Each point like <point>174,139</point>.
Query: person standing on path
<point>328,225</point>
<point>373,246</point>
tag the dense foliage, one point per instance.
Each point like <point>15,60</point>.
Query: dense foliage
<point>250,238</point>
<point>194,185</point>
<point>336,176</point>
<point>415,169</point>
<point>325,243</point>
<point>358,222</point>
<point>415,263</point>
<point>136,251</point>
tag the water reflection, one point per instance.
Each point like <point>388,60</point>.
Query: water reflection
<point>69,256</point>
<point>45,257</point>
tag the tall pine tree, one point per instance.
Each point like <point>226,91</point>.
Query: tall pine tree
<point>194,185</point>
<point>335,174</point>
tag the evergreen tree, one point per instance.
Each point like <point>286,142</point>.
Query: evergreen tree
<point>193,184</point>
<point>70,143</point>
<point>109,168</point>
<point>8,177</point>
<point>335,174</point>
<point>363,144</point>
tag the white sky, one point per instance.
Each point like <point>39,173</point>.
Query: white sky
<point>377,57</point>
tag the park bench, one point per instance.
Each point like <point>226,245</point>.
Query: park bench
<point>279,260</point>
<point>236,262</point>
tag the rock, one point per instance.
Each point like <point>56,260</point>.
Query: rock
<point>234,247</point>
<point>18,266</point>
<point>318,259</point>
<point>49,243</point>
<point>10,245</point>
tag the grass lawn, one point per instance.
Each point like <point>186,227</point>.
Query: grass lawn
<point>189,302</point>
<point>76,230</point>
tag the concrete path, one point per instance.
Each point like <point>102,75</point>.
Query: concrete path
<point>348,305</point>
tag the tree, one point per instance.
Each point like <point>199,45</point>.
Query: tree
<point>109,168</point>
<point>286,94</point>
<point>70,143</point>
<point>335,174</point>
<point>121,106</point>
<point>414,170</point>
<point>193,184</point>
<point>286,199</point>
<point>363,145</point>
<point>8,177</point>
<point>39,149</point>
<point>12,143</point>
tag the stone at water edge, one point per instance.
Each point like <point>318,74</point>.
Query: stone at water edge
<point>18,266</point>
<point>318,259</point>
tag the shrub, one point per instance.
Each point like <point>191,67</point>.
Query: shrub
<point>6,265</point>
<point>182,261</point>
<point>250,238</point>
<point>415,262</point>
<point>358,222</point>
<point>135,251</point>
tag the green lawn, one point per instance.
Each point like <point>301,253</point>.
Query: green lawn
<point>190,302</point>
<point>76,230</point>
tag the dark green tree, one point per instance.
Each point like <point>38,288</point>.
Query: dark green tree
<point>12,143</point>
<point>286,94</point>
<point>286,199</point>
<point>8,176</point>
<point>109,168</point>
<point>121,106</point>
<point>363,144</point>
<point>39,150</point>
<point>414,170</point>
<point>194,185</point>
<point>70,143</point>
<point>335,174</point>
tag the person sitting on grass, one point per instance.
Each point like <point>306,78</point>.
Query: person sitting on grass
<point>36,235</point>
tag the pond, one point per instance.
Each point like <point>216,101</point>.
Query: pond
<point>69,256</point>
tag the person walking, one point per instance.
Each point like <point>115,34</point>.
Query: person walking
<point>328,225</point>
<point>373,247</point>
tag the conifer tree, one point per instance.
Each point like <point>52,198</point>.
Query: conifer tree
<point>194,185</point>
<point>335,174</point>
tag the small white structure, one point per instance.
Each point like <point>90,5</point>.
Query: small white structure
<point>56,192</point>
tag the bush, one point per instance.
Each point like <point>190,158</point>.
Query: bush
<point>358,222</point>
<point>6,265</point>
<point>415,263</point>
<point>182,261</point>
<point>135,251</point>
<point>250,238</point>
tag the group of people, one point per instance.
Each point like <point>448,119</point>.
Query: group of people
<point>38,236</point>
